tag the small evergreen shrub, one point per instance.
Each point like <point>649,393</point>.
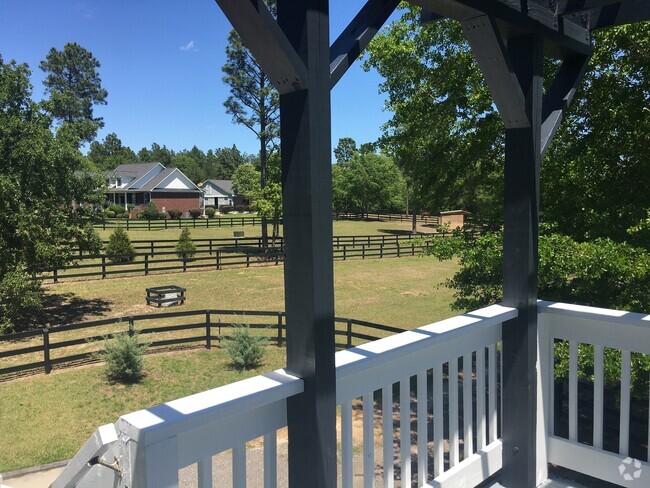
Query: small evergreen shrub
<point>225,209</point>
<point>246,351</point>
<point>124,357</point>
<point>117,209</point>
<point>210,211</point>
<point>119,247</point>
<point>150,211</point>
<point>174,213</point>
<point>195,213</point>
<point>109,214</point>
<point>185,246</point>
<point>162,215</point>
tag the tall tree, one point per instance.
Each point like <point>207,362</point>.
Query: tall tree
<point>374,183</point>
<point>156,154</point>
<point>74,86</point>
<point>345,149</point>
<point>228,160</point>
<point>38,186</point>
<point>110,153</point>
<point>246,181</point>
<point>253,102</point>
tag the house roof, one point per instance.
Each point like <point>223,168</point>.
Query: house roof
<point>224,185</point>
<point>153,183</point>
<point>135,170</point>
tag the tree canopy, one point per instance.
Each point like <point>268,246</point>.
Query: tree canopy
<point>73,83</point>
<point>110,153</point>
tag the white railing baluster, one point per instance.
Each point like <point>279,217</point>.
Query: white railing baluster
<point>468,434</point>
<point>368,441</point>
<point>454,451</point>
<point>480,398</point>
<point>204,473</point>
<point>405,430</point>
<point>346,444</point>
<point>239,466</point>
<point>422,423</point>
<point>573,391</point>
<point>438,422</point>
<point>598,396</point>
<point>624,433</point>
<point>270,460</point>
<point>387,435</point>
<point>492,392</point>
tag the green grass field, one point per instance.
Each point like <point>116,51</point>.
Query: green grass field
<point>47,418</point>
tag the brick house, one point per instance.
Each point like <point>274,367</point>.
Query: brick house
<point>140,183</point>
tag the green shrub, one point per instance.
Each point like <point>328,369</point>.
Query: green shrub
<point>225,209</point>
<point>209,211</point>
<point>162,215</point>
<point>150,211</point>
<point>109,214</point>
<point>174,213</point>
<point>195,213</point>
<point>117,209</point>
<point>185,246</point>
<point>124,358</point>
<point>245,350</point>
<point>119,247</point>
<point>139,215</point>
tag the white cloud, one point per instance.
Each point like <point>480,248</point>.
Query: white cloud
<point>188,47</point>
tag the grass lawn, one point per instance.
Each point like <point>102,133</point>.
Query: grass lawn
<point>47,418</point>
<point>341,228</point>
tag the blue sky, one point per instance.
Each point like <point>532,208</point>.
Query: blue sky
<point>161,64</point>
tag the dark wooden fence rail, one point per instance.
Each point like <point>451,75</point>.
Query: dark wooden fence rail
<point>211,325</point>
<point>141,224</point>
<point>213,256</point>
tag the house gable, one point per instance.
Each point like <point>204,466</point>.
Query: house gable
<point>140,182</point>
<point>176,180</point>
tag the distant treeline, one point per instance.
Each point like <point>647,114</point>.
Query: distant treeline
<point>216,164</point>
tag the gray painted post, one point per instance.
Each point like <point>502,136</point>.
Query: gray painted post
<point>349,333</point>
<point>207,330</point>
<point>279,329</point>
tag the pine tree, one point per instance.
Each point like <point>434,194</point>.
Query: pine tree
<point>119,247</point>
<point>185,246</point>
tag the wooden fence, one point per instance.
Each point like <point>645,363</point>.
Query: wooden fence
<point>156,256</point>
<point>48,347</point>
<point>200,223</point>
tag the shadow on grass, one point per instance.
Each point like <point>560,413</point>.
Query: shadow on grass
<point>62,309</point>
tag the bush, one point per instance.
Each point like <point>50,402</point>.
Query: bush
<point>109,214</point>
<point>225,209</point>
<point>174,213</point>
<point>243,208</point>
<point>122,216</point>
<point>185,246</point>
<point>139,215</point>
<point>150,211</point>
<point>120,247</point>
<point>117,209</point>
<point>124,358</point>
<point>162,215</point>
<point>195,213</point>
<point>245,350</point>
<point>210,211</point>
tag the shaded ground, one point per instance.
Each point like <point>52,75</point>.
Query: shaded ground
<point>66,307</point>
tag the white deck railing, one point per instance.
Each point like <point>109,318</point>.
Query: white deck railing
<point>602,328</point>
<point>422,406</point>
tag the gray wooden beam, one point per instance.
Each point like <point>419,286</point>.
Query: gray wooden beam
<point>490,52</point>
<point>261,34</point>
<point>559,97</point>
<point>429,17</point>
<point>357,35</point>
<point>523,18</point>
<point>305,130</point>
<point>563,7</point>
<point>625,12</point>
<point>520,258</point>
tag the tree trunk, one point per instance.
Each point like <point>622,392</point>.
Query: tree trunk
<point>407,198</point>
<point>414,227</point>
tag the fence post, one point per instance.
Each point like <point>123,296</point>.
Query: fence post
<point>349,334</point>
<point>363,251</point>
<point>277,256</point>
<point>218,253</point>
<point>146,264</point>
<point>127,224</point>
<point>279,329</point>
<point>398,250</point>
<point>152,247</point>
<point>179,222</point>
<point>131,327</point>
<point>165,223</point>
<point>412,249</point>
<point>46,350</point>
<point>208,344</point>
<point>345,252</point>
<point>381,250</point>
<point>210,246</point>
<point>103,267</point>
<point>248,258</point>
<point>219,330</point>
<point>56,275</point>
<point>184,262</point>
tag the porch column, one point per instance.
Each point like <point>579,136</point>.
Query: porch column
<point>521,216</point>
<point>308,272</point>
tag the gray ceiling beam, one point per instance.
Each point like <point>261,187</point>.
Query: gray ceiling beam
<point>559,97</point>
<point>429,17</point>
<point>357,35</point>
<point>522,18</point>
<point>262,35</point>
<point>563,7</point>
<point>490,52</point>
<point>624,12</point>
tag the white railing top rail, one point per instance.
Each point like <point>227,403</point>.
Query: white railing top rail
<point>605,314</point>
<point>378,363</point>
